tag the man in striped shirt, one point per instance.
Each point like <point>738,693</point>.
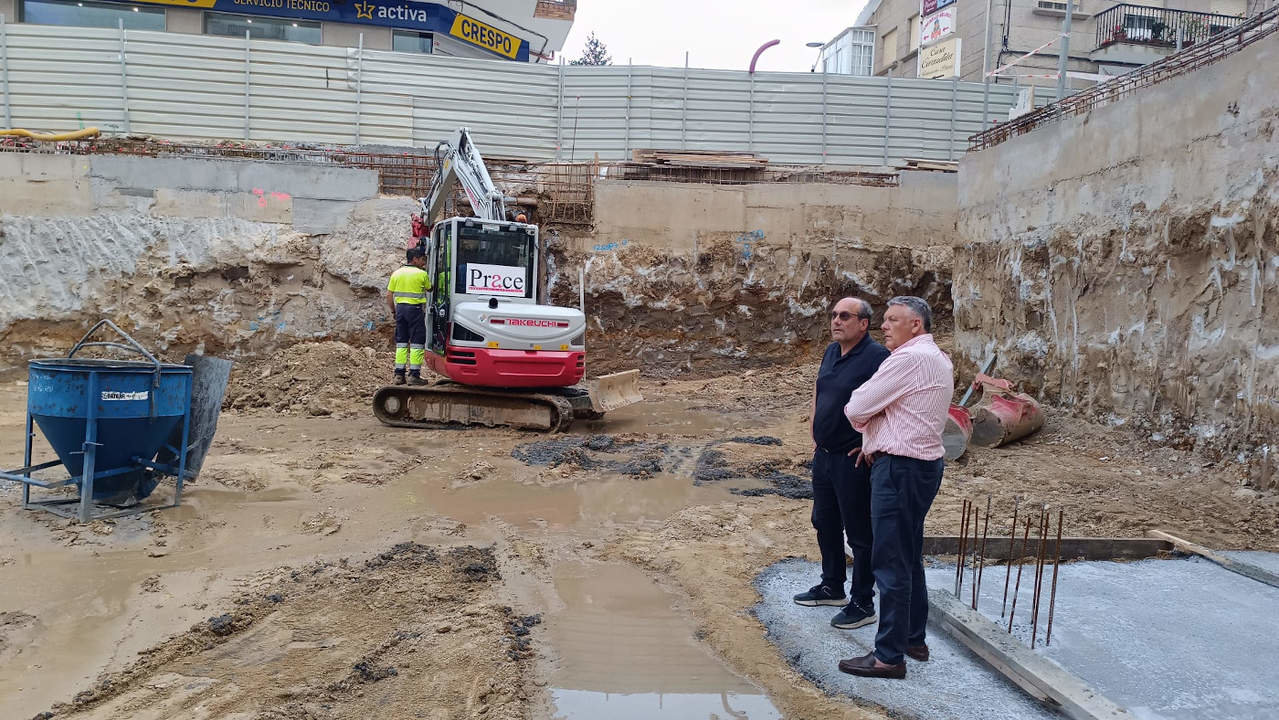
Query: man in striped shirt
<point>900,413</point>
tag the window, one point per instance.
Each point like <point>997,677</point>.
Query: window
<point>262,28</point>
<point>412,42</point>
<point>92,14</point>
<point>914,32</point>
<point>491,245</point>
<point>863,55</point>
<point>888,52</point>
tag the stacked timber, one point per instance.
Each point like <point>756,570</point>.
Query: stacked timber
<point>726,159</point>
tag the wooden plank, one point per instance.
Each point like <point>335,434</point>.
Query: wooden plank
<point>1041,678</point>
<point>1072,548</point>
<point>1246,569</point>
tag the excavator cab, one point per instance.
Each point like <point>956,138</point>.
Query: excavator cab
<point>486,326</point>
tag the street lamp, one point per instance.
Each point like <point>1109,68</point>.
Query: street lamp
<point>816,45</point>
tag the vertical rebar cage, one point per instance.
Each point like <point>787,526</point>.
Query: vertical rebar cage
<point>106,420</point>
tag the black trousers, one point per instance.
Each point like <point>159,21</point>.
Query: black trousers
<point>902,491</point>
<point>841,505</point>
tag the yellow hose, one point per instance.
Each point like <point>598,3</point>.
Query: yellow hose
<point>77,135</point>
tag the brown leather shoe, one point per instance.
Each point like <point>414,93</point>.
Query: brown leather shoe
<point>917,652</point>
<point>865,666</point>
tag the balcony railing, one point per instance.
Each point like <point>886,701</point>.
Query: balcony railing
<point>1153,26</point>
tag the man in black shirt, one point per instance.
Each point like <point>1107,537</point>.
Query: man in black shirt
<point>841,485</point>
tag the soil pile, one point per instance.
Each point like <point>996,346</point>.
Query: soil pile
<point>315,379</point>
<point>412,632</point>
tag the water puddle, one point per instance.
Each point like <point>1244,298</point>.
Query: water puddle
<point>625,652</point>
<point>676,417</point>
<point>588,499</point>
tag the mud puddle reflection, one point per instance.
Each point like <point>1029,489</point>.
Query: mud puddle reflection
<point>625,652</point>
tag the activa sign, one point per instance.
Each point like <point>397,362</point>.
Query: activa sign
<point>494,280</point>
<point>402,14</point>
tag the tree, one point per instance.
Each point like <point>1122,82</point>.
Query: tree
<point>594,53</point>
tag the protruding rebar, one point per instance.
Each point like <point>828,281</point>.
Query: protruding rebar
<point>959,558</point>
<point>985,529</point>
<point>1012,538</point>
<point>1052,599</point>
<point>972,542</point>
<point>1039,574</point>
<point>1025,540</point>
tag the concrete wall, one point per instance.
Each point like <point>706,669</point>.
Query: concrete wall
<point>695,276</point>
<point>233,256</point>
<point>1124,262</point>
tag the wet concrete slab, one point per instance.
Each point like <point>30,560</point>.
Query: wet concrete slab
<point>1177,639</point>
<point>1262,559</point>
<point>954,683</point>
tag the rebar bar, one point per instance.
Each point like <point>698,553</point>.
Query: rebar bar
<point>1039,574</point>
<point>1012,538</point>
<point>959,557</point>
<point>985,529</point>
<point>1052,599</point>
<point>976,520</point>
<point>1017,589</point>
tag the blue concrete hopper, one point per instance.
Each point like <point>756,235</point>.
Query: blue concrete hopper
<point>107,420</point>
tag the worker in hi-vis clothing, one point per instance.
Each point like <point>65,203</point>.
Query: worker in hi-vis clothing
<point>406,297</point>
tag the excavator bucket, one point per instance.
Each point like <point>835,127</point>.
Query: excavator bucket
<point>610,392</point>
<point>1001,415</point>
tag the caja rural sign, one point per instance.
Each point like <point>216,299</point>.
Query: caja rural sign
<point>400,14</point>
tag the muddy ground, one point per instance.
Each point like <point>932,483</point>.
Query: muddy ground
<point>325,566</point>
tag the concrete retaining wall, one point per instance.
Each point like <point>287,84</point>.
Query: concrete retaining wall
<point>1124,262</point>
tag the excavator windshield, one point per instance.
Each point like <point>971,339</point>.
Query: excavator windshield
<point>495,260</point>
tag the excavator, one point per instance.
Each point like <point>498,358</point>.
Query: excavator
<point>505,355</point>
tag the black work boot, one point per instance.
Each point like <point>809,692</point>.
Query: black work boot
<point>399,379</point>
<point>416,379</point>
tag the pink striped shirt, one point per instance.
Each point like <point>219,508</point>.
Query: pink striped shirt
<point>901,410</point>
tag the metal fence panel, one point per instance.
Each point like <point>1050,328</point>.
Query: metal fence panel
<point>198,86</point>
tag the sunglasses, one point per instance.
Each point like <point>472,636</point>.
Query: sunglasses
<point>843,315</point>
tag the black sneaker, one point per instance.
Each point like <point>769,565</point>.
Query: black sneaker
<point>821,595</point>
<point>853,616</point>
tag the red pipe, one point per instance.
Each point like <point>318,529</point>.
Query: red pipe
<point>761,49</point>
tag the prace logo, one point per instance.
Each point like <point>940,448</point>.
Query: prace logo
<point>482,281</point>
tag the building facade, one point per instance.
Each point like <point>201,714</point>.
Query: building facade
<point>515,30</point>
<point>947,38</point>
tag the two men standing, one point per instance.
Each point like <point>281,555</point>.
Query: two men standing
<point>899,413</point>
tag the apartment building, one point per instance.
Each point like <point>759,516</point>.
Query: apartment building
<point>947,38</point>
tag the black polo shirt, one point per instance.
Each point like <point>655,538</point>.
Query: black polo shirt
<point>838,377</point>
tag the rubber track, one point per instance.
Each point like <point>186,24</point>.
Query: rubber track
<point>561,417</point>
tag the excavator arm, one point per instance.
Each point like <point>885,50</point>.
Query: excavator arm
<point>459,161</point>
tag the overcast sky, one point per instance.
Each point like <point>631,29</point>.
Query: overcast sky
<point>716,34</point>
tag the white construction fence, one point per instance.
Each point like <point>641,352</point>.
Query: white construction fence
<point>181,86</point>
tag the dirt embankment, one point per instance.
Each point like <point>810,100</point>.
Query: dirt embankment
<point>726,309</point>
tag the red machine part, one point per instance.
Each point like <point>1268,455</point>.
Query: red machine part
<point>492,367</point>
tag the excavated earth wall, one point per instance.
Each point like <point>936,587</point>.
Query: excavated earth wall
<point>242,258</point>
<point>1125,261</point>
<point>695,277</point>
<point>235,257</point>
